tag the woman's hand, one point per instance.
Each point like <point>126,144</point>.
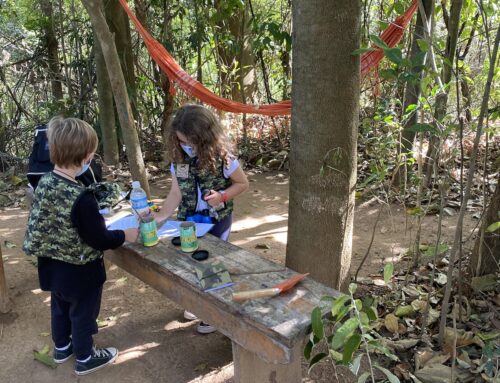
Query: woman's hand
<point>160,216</point>
<point>214,199</point>
<point>131,235</point>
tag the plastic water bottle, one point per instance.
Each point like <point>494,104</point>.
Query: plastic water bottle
<point>139,199</point>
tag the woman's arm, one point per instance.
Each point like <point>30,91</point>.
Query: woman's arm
<point>171,202</point>
<point>239,185</point>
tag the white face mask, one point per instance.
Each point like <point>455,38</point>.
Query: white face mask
<point>85,167</point>
<point>189,150</point>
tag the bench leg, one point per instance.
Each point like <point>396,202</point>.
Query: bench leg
<point>249,368</point>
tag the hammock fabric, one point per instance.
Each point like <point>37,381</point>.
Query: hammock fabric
<point>369,60</point>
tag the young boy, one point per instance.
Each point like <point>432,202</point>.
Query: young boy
<point>68,235</point>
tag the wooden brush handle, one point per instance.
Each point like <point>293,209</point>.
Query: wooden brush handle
<point>255,294</point>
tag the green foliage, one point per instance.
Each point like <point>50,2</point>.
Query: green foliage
<point>346,330</point>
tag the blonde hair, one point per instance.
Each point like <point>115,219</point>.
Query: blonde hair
<point>202,129</point>
<point>71,140</point>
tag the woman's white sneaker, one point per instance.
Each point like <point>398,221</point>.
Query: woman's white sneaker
<point>189,315</point>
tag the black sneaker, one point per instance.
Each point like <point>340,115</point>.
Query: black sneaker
<point>61,356</point>
<point>99,358</point>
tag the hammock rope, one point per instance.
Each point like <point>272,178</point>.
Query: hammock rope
<point>392,35</point>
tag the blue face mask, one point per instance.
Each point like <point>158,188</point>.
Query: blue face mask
<point>188,150</point>
<point>85,167</point>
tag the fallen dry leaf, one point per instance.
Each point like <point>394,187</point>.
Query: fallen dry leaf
<point>391,323</point>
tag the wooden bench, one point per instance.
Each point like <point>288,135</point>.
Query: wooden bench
<point>267,334</point>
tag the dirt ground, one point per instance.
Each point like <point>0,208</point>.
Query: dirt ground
<point>156,344</point>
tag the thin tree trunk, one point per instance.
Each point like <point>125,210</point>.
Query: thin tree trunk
<point>247,76</point>
<point>485,257</point>
<point>325,106</point>
<point>440,109</point>
<point>117,80</point>
<point>52,47</point>
<point>5,303</point>
<point>470,178</point>
<point>412,94</point>
<point>106,109</point>
<point>120,28</point>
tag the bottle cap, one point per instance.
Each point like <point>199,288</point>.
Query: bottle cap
<point>136,184</point>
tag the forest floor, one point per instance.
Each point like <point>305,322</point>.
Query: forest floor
<point>156,344</point>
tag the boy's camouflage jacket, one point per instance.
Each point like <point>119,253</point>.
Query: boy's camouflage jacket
<point>189,176</point>
<point>50,232</point>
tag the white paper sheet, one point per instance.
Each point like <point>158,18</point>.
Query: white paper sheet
<point>169,229</point>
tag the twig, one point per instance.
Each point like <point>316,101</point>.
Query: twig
<point>369,246</point>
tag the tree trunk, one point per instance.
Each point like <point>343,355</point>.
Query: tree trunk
<point>248,79</point>
<point>325,105</point>
<point>441,105</point>
<point>120,28</point>
<point>106,109</point>
<point>412,93</point>
<point>486,254</point>
<point>5,303</point>
<point>52,47</point>
<point>117,80</point>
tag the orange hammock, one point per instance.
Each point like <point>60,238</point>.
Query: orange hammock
<point>391,36</point>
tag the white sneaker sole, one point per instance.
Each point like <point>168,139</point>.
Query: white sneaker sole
<point>206,329</point>
<point>189,315</point>
<point>80,373</point>
<point>59,361</point>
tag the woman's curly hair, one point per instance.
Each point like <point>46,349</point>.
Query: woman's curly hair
<point>204,131</point>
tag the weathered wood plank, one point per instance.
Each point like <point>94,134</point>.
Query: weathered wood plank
<point>268,327</point>
<point>5,303</point>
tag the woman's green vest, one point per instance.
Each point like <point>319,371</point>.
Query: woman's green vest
<point>189,176</point>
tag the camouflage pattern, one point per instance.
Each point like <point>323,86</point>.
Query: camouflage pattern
<point>212,275</point>
<point>50,232</point>
<point>106,194</point>
<point>206,180</point>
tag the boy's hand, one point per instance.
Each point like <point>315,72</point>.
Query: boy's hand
<point>214,199</point>
<point>131,235</point>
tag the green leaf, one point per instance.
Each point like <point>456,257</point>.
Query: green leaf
<point>411,108</point>
<point>356,363</point>
<point>44,357</point>
<point>378,42</point>
<point>351,346</point>
<point>414,211</point>
<point>388,270</point>
<point>423,45</point>
<point>360,51</point>
<point>392,378</point>
<point>394,54</point>
<point>317,323</point>
<point>493,227</point>
<point>343,332</point>
<point>363,377</point>
<point>308,349</point>
<point>338,304</point>
<point>371,312</point>
<point>317,358</point>
<point>423,128</point>
<point>336,356</point>
<point>432,250</point>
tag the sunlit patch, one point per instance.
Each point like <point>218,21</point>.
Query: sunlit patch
<point>36,291</point>
<point>220,375</point>
<point>12,262</point>
<point>135,352</point>
<point>47,300</point>
<point>175,325</point>
<point>250,223</point>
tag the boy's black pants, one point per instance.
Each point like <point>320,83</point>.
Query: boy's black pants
<point>75,316</point>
